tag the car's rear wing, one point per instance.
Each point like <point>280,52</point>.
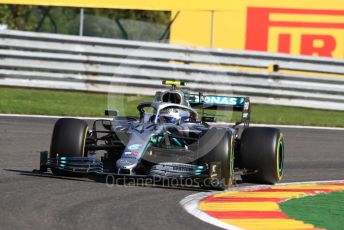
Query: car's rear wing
<point>215,102</point>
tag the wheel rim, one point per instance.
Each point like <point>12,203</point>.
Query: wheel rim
<point>280,157</point>
<point>84,154</point>
<point>232,159</point>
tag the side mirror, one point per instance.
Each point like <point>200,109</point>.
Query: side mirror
<point>111,113</point>
<point>158,96</point>
<point>208,119</point>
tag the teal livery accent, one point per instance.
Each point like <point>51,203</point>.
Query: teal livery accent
<point>224,100</point>
<point>135,147</point>
<point>216,100</point>
<point>199,169</point>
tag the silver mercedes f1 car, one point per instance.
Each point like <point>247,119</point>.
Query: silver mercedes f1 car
<point>168,140</point>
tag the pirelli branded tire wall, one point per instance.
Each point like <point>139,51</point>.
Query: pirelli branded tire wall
<point>303,27</point>
<point>294,27</point>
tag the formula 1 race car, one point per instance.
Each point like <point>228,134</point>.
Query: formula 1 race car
<point>167,140</point>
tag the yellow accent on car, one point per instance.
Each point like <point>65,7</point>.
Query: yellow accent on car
<point>231,162</point>
<point>176,83</point>
<point>278,174</point>
<point>83,148</point>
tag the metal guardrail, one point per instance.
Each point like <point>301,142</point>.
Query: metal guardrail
<point>106,65</point>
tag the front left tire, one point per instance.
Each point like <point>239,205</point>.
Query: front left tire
<point>220,158</point>
<point>68,140</point>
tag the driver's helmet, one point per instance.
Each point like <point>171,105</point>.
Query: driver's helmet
<point>174,115</point>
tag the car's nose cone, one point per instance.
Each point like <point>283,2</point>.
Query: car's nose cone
<point>126,163</point>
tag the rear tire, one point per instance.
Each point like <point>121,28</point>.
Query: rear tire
<point>68,140</point>
<point>262,149</point>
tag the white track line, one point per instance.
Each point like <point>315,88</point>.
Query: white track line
<point>290,126</point>
<point>219,123</point>
<point>49,116</point>
<point>190,203</point>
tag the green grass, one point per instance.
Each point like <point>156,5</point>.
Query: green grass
<point>66,103</point>
<point>323,211</point>
<point>296,116</point>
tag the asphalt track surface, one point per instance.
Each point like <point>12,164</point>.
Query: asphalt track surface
<point>31,201</point>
